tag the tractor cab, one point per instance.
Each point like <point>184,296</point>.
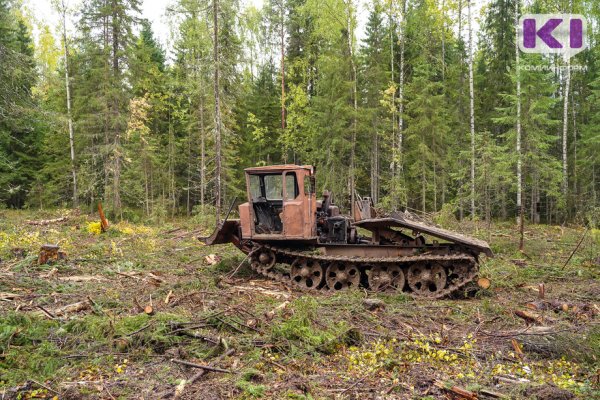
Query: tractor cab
<point>281,203</point>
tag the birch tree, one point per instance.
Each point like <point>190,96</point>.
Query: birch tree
<point>518,127</point>
<point>216,89</point>
<point>62,9</point>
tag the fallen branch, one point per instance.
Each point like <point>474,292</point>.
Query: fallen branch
<point>576,248</point>
<point>182,385</point>
<point>46,387</point>
<point>354,384</point>
<point>205,367</point>
<point>168,297</point>
<point>8,296</point>
<point>48,313</point>
<point>82,278</point>
<point>141,329</point>
<point>511,380</point>
<point>495,395</point>
<point>177,329</point>
<point>529,331</point>
<point>457,391</point>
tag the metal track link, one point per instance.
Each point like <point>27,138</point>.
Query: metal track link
<point>287,255</point>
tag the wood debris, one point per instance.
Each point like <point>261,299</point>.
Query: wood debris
<point>460,392</point>
<point>73,308</point>
<point>168,297</point>
<point>82,278</point>
<point>530,317</point>
<point>50,253</point>
<point>5,296</point>
<point>212,259</point>
<point>484,283</point>
<point>45,222</point>
<point>268,292</point>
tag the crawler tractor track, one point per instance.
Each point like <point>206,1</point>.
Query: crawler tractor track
<point>420,276</point>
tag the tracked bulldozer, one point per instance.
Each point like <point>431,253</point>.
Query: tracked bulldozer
<point>292,237</point>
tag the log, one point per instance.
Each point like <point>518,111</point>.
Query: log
<point>463,393</point>
<point>45,222</point>
<point>82,278</point>
<point>529,316</point>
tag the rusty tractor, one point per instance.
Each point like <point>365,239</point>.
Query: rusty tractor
<point>292,237</point>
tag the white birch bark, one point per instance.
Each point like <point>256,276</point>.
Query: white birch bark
<point>217,110</point>
<point>63,11</point>
<point>567,87</point>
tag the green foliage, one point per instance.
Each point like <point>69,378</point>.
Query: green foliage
<point>144,114</point>
<point>21,334</point>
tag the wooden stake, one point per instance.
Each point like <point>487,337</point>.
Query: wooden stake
<point>103,220</point>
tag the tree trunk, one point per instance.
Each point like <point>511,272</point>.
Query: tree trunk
<point>217,110</point>
<point>115,104</point>
<point>399,155</point>
<point>472,107</point>
<point>355,105</point>
<point>519,157</point>
<point>375,168</point>
<point>391,22</point>
<point>63,12</point>
<point>574,162</point>
<point>565,178</point>
<point>462,111</point>
<point>282,37</point>
<point>202,155</point>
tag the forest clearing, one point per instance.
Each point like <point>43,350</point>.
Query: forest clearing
<point>80,327</point>
<point>443,109</point>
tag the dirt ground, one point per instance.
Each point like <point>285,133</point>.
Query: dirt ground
<point>77,328</point>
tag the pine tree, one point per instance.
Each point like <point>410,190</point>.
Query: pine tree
<point>107,27</point>
<point>20,124</point>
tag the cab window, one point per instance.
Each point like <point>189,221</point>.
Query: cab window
<point>273,187</point>
<point>255,191</point>
<point>291,186</point>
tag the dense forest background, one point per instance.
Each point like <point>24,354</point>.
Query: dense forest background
<point>422,113</point>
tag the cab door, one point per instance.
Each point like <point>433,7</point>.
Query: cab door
<point>293,206</point>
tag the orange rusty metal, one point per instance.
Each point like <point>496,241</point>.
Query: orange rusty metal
<point>297,213</point>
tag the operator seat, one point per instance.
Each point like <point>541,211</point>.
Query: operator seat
<point>267,218</point>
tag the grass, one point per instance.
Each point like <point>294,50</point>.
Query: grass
<point>314,346</point>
